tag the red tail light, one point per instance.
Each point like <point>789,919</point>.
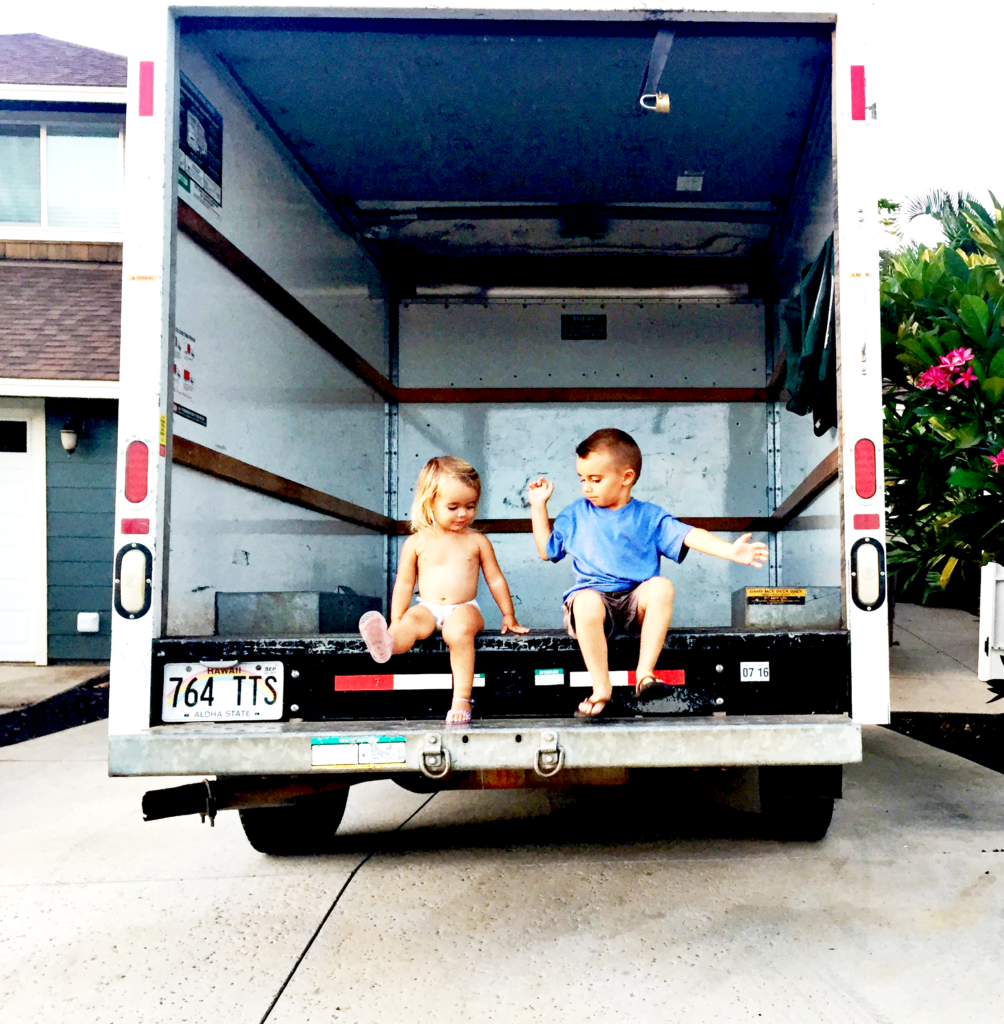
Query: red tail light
<point>137,463</point>
<point>864,468</point>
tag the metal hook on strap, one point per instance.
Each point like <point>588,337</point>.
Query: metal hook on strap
<point>660,102</point>
<point>435,759</point>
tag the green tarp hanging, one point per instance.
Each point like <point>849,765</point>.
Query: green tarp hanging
<point>810,346</point>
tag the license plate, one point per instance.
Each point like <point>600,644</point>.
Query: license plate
<point>243,690</point>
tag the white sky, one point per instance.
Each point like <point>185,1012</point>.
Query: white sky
<point>934,71</point>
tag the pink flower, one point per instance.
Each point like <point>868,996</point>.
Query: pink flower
<point>939,377</point>
<point>957,358</point>
<point>997,460</point>
<point>966,377</point>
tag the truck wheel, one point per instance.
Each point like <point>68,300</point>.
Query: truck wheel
<point>797,819</point>
<point>308,826</point>
<point>796,802</point>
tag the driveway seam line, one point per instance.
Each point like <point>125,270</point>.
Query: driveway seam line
<point>334,903</point>
<point>916,636</point>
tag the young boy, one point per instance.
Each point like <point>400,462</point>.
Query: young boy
<point>615,542</point>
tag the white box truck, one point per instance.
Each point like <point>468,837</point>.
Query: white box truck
<point>360,237</point>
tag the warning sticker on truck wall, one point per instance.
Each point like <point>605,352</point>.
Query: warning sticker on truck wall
<point>775,595</point>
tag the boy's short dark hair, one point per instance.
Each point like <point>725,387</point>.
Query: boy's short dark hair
<point>619,443</point>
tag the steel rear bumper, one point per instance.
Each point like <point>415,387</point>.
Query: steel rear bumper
<point>283,748</point>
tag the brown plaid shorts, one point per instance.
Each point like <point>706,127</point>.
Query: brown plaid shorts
<point>622,612</point>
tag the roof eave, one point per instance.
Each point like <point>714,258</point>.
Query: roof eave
<point>64,93</point>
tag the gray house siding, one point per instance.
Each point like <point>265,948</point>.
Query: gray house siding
<point>80,497</point>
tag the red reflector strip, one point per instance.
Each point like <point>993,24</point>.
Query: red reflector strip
<point>364,683</point>
<point>864,468</point>
<point>137,464</point>
<point>135,525</point>
<point>146,88</point>
<point>866,522</point>
<point>671,677</point>
<point>857,92</point>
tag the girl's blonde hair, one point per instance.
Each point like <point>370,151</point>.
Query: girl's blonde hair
<point>433,473</point>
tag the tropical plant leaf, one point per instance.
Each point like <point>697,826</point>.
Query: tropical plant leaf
<point>993,388</point>
<point>967,478</point>
<point>976,316</point>
<point>956,265</point>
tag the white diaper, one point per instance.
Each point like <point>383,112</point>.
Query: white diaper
<point>440,612</point>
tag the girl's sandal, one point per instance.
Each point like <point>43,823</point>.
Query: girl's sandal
<point>379,642</point>
<point>454,717</point>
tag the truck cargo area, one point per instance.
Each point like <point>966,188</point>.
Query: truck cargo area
<point>400,238</point>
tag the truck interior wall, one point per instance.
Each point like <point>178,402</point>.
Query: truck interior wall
<point>514,343</point>
<point>809,549</point>
<point>261,391</point>
<point>272,217</point>
<point>700,459</point>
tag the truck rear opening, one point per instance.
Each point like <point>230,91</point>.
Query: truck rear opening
<point>362,242</point>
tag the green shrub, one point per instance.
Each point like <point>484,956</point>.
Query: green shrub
<point>943,369</point>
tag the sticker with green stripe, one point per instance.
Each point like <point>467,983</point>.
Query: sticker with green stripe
<point>549,677</point>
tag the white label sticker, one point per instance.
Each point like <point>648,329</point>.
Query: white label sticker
<point>549,677</point>
<point>754,671</point>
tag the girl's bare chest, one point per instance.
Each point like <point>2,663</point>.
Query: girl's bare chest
<point>437,554</point>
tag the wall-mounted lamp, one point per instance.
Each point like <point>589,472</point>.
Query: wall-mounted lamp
<point>68,438</point>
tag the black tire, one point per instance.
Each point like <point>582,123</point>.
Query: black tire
<point>307,826</point>
<point>796,819</point>
<point>796,801</point>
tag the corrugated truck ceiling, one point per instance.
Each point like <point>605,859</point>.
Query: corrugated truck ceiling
<point>502,140</point>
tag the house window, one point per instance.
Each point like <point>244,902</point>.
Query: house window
<point>20,174</point>
<point>61,176</point>
<point>84,172</point>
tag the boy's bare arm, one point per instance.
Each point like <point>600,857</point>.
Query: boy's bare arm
<point>404,585</point>
<point>499,588</point>
<point>743,549</point>
<point>538,494</point>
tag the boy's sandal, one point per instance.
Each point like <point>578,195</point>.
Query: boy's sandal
<point>648,688</point>
<point>590,714</point>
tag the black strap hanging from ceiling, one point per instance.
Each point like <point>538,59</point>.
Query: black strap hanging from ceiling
<point>656,62</point>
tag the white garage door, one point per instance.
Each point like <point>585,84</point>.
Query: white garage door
<point>22,532</point>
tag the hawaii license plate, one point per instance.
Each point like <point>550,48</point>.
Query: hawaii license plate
<point>216,692</point>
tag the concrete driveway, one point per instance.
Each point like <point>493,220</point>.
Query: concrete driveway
<point>509,906</point>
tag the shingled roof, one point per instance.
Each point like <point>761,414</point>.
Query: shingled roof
<point>60,321</point>
<point>31,59</point>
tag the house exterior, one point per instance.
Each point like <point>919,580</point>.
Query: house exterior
<point>62,144</point>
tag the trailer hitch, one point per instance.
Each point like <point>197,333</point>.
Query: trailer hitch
<point>549,758</point>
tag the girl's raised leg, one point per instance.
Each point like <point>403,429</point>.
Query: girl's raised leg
<point>459,630</point>
<point>383,641</point>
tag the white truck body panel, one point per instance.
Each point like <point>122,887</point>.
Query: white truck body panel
<point>291,409</point>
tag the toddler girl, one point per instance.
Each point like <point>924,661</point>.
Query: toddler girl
<point>446,557</point>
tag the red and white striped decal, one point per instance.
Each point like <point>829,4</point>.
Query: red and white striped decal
<point>426,681</point>
<point>671,677</point>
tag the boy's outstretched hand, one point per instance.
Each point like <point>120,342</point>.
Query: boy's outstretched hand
<point>510,625</point>
<point>539,492</point>
<point>746,553</point>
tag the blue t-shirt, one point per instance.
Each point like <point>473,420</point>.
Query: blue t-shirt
<point>615,549</point>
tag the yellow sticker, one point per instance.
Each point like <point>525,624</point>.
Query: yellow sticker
<point>775,595</point>
<point>163,430</point>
